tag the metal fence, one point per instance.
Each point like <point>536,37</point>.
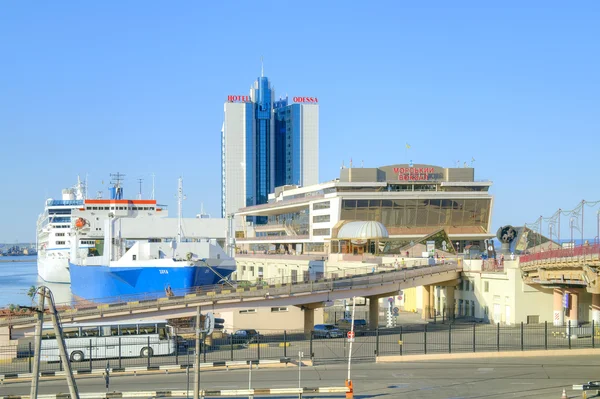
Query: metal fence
<point>405,340</point>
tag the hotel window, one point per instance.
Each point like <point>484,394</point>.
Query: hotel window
<point>246,311</point>
<point>321,205</point>
<point>466,285</point>
<point>321,218</point>
<point>279,309</point>
<point>321,232</point>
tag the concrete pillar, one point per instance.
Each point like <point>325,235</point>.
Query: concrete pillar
<point>559,315</point>
<point>573,307</point>
<point>449,302</point>
<point>596,309</point>
<point>426,289</point>
<point>373,312</point>
<point>309,321</point>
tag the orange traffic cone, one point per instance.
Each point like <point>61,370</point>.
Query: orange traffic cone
<point>564,395</point>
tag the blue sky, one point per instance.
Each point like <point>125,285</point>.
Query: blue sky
<point>138,87</point>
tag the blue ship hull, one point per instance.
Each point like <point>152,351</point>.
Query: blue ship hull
<point>107,284</point>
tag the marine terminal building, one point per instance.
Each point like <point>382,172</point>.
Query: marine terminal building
<point>414,203</point>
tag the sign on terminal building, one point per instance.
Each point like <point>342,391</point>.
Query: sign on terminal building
<point>414,173</point>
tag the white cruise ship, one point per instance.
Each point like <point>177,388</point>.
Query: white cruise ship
<point>53,232</point>
<point>55,227</point>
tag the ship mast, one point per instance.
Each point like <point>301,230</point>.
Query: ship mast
<point>180,198</point>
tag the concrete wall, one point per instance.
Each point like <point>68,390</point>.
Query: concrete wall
<point>275,267</point>
<point>502,296</point>
<point>267,320</point>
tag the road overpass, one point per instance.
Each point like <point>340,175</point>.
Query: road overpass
<point>566,270</point>
<point>307,295</point>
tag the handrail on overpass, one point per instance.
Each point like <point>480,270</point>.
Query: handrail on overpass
<point>582,250</point>
<point>224,294</point>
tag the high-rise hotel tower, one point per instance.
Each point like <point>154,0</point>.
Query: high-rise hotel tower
<point>266,143</point>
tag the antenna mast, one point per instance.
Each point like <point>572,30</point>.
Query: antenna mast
<point>140,193</point>
<point>180,198</point>
<point>153,185</point>
<point>262,68</point>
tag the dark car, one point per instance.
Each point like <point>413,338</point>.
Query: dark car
<point>246,336</point>
<point>360,325</point>
<point>327,331</point>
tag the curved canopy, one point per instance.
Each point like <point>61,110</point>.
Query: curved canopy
<point>362,230</point>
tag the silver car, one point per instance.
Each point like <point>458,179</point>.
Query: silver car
<point>327,331</point>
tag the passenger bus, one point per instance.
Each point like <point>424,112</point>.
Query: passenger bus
<point>84,341</point>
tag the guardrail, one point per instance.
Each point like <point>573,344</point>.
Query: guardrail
<point>204,393</point>
<point>221,292</point>
<point>583,250</point>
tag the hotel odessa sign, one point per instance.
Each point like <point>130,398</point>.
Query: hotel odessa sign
<point>238,99</point>
<point>306,100</point>
<point>232,98</point>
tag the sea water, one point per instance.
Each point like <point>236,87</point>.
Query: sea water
<point>18,274</point>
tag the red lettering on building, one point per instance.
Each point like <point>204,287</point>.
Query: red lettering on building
<point>238,99</point>
<point>414,174</point>
<point>305,99</point>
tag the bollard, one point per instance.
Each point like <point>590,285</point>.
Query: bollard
<point>350,392</point>
<point>30,357</point>
<point>449,338</point>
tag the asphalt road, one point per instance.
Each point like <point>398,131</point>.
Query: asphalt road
<point>460,379</point>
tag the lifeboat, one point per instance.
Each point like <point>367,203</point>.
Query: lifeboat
<point>80,223</point>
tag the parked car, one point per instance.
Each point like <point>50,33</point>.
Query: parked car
<point>246,336</point>
<point>360,325</point>
<point>327,331</point>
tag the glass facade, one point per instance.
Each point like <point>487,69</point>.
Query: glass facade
<point>288,144</point>
<point>262,116</point>
<point>416,215</point>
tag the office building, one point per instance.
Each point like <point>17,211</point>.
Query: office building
<point>266,143</point>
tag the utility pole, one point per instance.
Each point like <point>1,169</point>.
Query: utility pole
<point>197,358</point>
<point>61,345</point>
<point>38,346</point>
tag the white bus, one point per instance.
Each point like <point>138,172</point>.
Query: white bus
<point>84,341</point>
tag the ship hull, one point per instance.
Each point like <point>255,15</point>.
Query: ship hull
<point>54,270</point>
<point>112,284</point>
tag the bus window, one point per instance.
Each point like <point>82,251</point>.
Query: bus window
<point>162,332</point>
<point>108,331</point>
<point>89,331</point>
<point>147,329</point>
<point>130,329</point>
<point>71,332</point>
<point>48,334</point>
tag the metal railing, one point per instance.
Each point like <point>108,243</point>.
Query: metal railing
<point>400,341</point>
<point>582,250</point>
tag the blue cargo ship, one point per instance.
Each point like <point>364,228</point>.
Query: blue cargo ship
<point>106,266</point>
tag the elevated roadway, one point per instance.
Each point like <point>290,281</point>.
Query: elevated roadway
<point>577,267</point>
<point>307,295</point>
<point>569,272</point>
